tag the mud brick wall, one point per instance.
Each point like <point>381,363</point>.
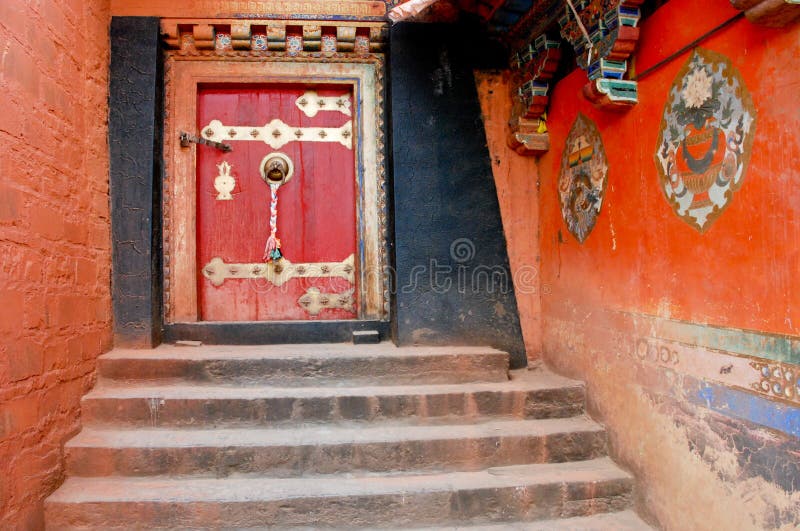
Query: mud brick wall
<point>54,237</point>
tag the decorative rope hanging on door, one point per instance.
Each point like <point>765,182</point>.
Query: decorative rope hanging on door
<point>276,170</point>
<point>272,251</point>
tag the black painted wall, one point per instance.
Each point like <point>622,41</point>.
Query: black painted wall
<point>453,281</point>
<point>134,135</point>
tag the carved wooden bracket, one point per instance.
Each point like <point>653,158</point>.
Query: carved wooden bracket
<point>611,28</point>
<point>293,37</point>
<point>529,143</point>
<point>772,13</point>
<point>533,67</point>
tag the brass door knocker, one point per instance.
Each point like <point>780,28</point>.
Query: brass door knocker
<point>276,170</point>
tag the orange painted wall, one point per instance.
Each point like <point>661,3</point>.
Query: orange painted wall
<point>642,270</point>
<point>743,271</point>
<point>517,181</point>
<point>54,237</point>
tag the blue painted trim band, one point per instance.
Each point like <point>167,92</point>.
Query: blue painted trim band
<point>745,406</point>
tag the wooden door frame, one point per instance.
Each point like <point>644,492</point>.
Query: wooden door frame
<point>183,75</point>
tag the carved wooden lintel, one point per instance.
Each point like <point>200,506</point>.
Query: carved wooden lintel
<point>772,13</point>
<point>232,35</point>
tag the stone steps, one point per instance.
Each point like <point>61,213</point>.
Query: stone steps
<point>324,449</point>
<point>301,365</point>
<point>526,492</point>
<point>335,436</point>
<point>616,521</point>
<point>528,395</point>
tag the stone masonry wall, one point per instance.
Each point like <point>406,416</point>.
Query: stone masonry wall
<point>54,237</point>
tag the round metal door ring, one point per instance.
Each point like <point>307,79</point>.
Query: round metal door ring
<point>276,168</point>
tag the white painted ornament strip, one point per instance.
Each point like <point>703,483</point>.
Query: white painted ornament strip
<point>314,301</point>
<point>311,103</point>
<point>278,272</point>
<point>277,133</point>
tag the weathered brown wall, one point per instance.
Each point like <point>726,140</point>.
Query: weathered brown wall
<point>54,237</point>
<point>517,182</point>
<point>667,325</point>
<point>233,8</point>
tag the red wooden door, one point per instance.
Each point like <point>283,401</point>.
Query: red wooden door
<point>316,209</point>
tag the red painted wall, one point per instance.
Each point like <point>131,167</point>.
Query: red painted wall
<point>642,268</point>
<point>54,237</point>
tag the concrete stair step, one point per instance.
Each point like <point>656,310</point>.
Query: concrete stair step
<point>617,521</point>
<point>529,394</point>
<point>299,365</point>
<point>502,494</point>
<point>330,449</point>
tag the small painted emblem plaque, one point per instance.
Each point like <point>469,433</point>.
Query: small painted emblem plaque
<point>224,183</point>
<point>705,139</point>
<point>583,178</point>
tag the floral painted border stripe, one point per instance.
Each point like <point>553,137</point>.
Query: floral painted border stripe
<point>784,349</point>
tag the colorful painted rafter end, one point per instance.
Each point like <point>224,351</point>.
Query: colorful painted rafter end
<point>604,35</point>
<point>533,67</point>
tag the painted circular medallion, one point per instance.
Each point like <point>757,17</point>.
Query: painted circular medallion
<point>705,138</point>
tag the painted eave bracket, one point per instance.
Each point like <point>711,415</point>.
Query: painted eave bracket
<point>529,143</point>
<point>604,43</point>
<point>533,67</point>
